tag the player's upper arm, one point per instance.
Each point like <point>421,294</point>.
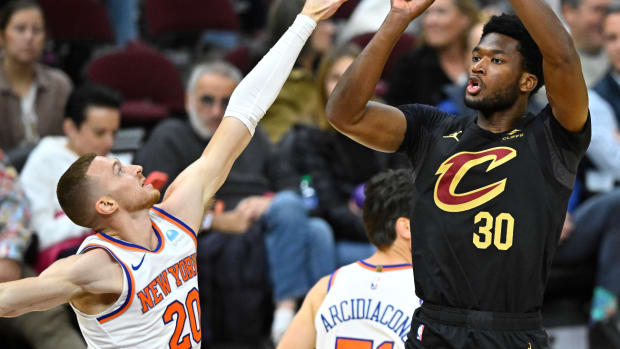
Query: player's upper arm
<point>93,272</point>
<point>380,127</point>
<point>301,334</point>
<point>566,90</point>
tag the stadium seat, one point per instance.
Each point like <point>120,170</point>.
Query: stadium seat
<point>345,11</point>
<point>149,82</point>
<point>169,22</point>
<point>76,29</point>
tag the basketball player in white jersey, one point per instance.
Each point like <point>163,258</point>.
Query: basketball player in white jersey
<point>367,304</point>
<point>133,284</point>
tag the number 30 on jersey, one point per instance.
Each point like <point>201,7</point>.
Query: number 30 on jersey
<point>497,230</point>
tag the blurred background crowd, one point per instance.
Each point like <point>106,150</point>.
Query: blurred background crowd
<point>148,81</point>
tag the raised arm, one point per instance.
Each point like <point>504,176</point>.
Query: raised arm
<point>67,279</point>
<point>375,125</point>
<point>190,192</point>
<point>566,89</point>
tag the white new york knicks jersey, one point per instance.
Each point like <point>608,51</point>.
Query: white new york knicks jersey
<point>159,306</point>
<point>367,307</point>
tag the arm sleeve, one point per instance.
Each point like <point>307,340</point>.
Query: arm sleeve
<point>567,148</point>
<point>261,86</point>
<point>421,120</point>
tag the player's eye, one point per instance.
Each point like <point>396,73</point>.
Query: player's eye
<point>475,59</point>
<point>497,60</point>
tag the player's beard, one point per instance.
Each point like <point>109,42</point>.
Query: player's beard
<point>497,101</point>
<point>145,202</point>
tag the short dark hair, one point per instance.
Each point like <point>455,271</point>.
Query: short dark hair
<point>511,25</point>
<point>74,194</point>
<point>90,95</point>
<point>8,10</point>
<point>389,196</point>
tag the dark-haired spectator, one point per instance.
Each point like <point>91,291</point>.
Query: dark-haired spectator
<point>48,329</point>
<point>299,249</point>
<point>609,86</point>
<point>92,119</point>
<point>32,95</point>
<point>421,75</point>
<point>585,21</point>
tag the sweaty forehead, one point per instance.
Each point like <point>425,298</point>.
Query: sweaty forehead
<point>499,42</point>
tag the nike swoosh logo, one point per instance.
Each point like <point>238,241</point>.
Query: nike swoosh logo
<point>139,265</point>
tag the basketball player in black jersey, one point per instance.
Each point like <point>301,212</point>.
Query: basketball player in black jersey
<point>493,187</point>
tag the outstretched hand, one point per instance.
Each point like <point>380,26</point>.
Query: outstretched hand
<point>319,10</point>
<point>410,8</point>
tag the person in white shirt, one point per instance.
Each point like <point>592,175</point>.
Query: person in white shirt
<point>133,284</point>
<point>92,117</point>
<point>369,301</point>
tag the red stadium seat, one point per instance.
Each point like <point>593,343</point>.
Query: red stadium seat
<point>77,20</point>
<point>149,82</point>
<point>404,44</point>
<point>189,16</point>
<point>346,9</point>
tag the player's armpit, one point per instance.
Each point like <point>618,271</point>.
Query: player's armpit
<point>92,272</point>
<point>301,334</point>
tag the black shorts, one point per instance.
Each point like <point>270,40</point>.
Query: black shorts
<point>435,327</point>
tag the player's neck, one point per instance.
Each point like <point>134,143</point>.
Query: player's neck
<point>133,227</point>
<point>501,120</point>
<point>396,254</point>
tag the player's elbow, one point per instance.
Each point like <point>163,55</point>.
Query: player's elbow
<point>341,116</point>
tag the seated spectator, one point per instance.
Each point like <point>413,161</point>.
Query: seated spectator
<point>32,96</point>
<point>421,75</point>
<point>385,277</point>
<point>299,249</point>
<point>609,86</point>
<point>604,149</point>
<point>585,21</point>
<point>48,329</point>
<point>593,231</point>
<point>298,100</point>
<point>92,119</point>
<point>336,165</point>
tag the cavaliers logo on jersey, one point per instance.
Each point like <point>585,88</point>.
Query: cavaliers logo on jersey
<point>452,171</point>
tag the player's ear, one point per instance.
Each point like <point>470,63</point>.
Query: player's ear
<point>403,228</point>
<point>528,82</point>
<point>106,206</point>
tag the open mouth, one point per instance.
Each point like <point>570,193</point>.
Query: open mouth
<point>474,85</point>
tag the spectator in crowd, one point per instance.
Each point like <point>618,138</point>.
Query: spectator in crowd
<point>609,86</point>
<point>585,21</point>
<point>124,17</point>
<point>593,232</point>
<point>336,165</point>
<point>421,75</point>
<point>299,249</point>
<point>49,329</point>
<point>298,100</point>
<point>92,119</point>
<point>32,96</point>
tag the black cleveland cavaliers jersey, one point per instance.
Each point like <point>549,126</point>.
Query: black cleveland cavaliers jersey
<point>490,207</point>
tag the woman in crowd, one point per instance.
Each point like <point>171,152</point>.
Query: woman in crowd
<point>32,96</point>
<point>421,75</point>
